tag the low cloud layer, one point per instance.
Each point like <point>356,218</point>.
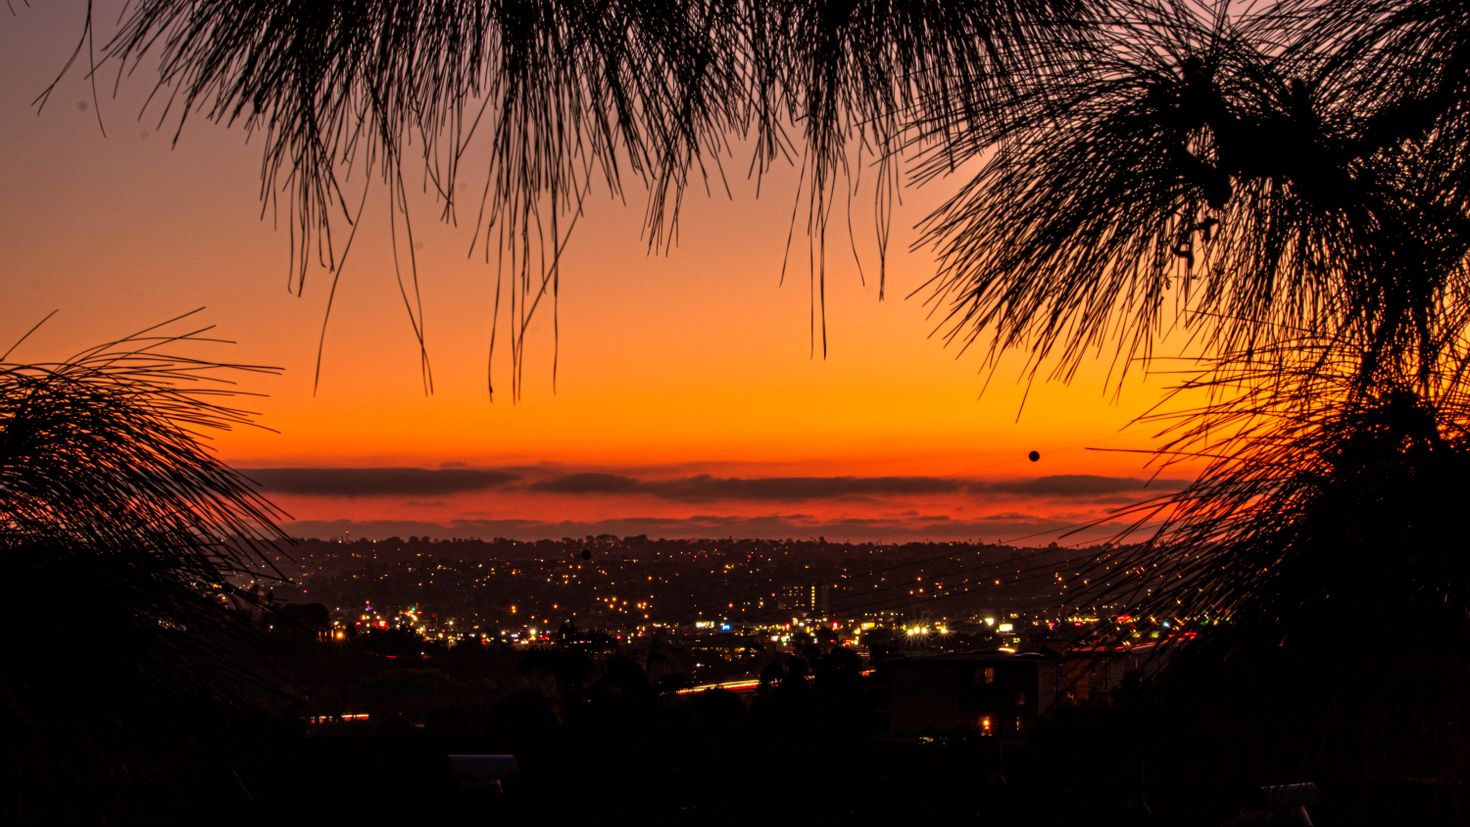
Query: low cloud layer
<point>697,488</point>
<point>708,488</point>
<point>378,482</point>
<point>878,508</point>
<point>586,483</point>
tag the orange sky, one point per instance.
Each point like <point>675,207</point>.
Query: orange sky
<point>671,366</point>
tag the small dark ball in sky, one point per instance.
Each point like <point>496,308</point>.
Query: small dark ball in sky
<point>1034,456</point>
<point>586,554</point>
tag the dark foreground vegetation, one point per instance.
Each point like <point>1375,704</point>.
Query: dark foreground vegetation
<point>601,742</point>
<point>1284,181</point>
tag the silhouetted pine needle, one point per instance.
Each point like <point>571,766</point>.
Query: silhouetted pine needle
<point>1235,168</point>
<point>567,95</point>
<point>1311,475</point>
<point>122,532</point>
<point>1316,565</point>
<point>1210,167</point>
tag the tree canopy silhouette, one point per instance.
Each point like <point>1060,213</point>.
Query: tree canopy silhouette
<point>1250,172</point>
<point>122,536</point>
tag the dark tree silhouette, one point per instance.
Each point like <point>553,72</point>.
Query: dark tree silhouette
<point>121,534</point>
<point>1251,177</point>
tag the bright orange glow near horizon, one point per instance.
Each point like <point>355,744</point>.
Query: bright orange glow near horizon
<point>670,366</point>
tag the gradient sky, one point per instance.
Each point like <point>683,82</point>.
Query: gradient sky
<point>686,404</point>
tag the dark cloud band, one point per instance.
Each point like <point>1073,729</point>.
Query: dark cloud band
<point>705,488</point>
<point>699,488</point>
<point>587,483</point>
<point>378,482</point>
<point>709,488</point>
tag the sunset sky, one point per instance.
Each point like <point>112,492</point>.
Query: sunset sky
<point>687,402</point>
